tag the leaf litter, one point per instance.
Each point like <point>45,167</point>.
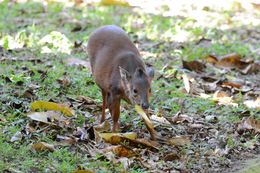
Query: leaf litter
<point>192,141</point>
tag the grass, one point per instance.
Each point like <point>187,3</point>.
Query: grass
<point>26,24</point>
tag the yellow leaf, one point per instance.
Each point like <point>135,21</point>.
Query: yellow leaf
<point>83,171</point>
<point>140,111</point>
<point>179,140</point>
<point>51,106</point>
<point>116,137</point>
<point>103,127</point>
<point>114,2</point>
<point>147,122</point>
<point>43,146</point>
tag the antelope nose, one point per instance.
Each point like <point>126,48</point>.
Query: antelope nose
<point>145,105</point>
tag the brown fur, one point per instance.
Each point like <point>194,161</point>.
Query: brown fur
<point>118,70</point>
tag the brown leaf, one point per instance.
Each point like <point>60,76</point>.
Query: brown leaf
<point>2,120</point>
<point>248,124</point>
<point>43,146</point>
<point>181,118</point>
<point>103,127</point>
<point>231,84</point>
<point>30,128</point>
<point>138,143</point>
<point>64,82</point>
<point>28,94</point>
<point>193,66</point>
<point>211,59</point>
<point>87,103</point>
<point>251,68</point>
<point>209,87</point>
<point>121,151</point>
<point>172,156</point>
<point>232,60</point>
<point>159,119</point>
<point>65,140</point>
<point>116,138</point>
<point>223,98</point>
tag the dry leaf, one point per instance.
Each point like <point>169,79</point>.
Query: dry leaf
<point>251,68</point>
<point>179,140</point>
<point>49,117</point>
<point>80,133</point>
<point>30,128</point>
<point>114,2</point>
<point>103,127</point>
<point>231,84</point>
<point>196,126</point>
<point>186,82</point>
<point>119,139</point>
<point>52,106</point>
<point>121,151</point>
<point>193,66</point>
<point>147,121</point>
<point>172,156</point>
<point>28,94</point>
<point>2,120</point>
<point>83,171</point>
<point>161,119</point>
<point>87,103</point>
<point>248,124</point>
<point>43,146</point>
<point>223,98</point>
<point>65,140</point>
<point>211,59</point>
<point>64,82</point>
<point>254,104</point>
<point>181,118</point>
<point>232,60</point>
<point>115,138</point>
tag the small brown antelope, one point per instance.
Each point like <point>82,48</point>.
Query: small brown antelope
<point>118,70</point>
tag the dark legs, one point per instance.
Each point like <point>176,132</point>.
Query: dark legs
<point>104,106</point>
<point>114,109</point>
<point>112,101</point>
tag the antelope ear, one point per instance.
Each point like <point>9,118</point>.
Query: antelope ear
<point>125,75</point>
<point>150,72</point>
<point>125,79</point>
<point>126,83</point>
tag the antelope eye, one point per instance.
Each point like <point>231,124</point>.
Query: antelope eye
<point>135,91</point>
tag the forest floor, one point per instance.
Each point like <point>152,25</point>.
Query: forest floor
<point>205,103</point>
